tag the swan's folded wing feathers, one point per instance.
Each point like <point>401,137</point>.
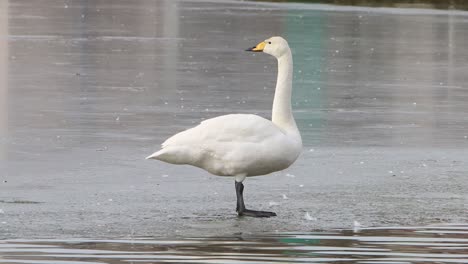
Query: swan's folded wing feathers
<point>227,128</point>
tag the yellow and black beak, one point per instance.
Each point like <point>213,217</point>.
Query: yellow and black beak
<point>260,46</point>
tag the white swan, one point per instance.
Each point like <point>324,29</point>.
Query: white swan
<point>243,145</point>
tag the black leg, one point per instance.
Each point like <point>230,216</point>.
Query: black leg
<point>240,208</point>
<point>239,195</point>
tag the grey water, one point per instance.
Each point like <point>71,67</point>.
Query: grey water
<point>423,244</point>
<point>90,88</point>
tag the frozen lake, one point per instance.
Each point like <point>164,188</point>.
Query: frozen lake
<point>90,88</point>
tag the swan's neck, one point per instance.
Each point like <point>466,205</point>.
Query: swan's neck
<point>282,112</point>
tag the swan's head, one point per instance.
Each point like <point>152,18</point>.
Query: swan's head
<point>275,46</point>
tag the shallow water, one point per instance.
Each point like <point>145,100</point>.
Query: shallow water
<point>429,4</point>
<point>90,88</point>
<point>428,244</point>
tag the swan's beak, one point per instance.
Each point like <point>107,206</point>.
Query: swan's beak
<point>260,46</point>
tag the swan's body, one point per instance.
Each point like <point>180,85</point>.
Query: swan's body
<point>243,145</point>
<point>230,145</point>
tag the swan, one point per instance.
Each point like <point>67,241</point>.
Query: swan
<point>244,145</point>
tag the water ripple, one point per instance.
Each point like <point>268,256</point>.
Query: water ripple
<point>429,244</point>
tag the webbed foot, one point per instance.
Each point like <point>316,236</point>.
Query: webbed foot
<point>253,213</point>
<point>242,211</point>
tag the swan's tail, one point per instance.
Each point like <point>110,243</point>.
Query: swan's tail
<point>175,155</point>
<point>154,155</point>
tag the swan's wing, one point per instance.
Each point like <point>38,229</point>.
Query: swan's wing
<point>235,128</point>
<point>236,144</point>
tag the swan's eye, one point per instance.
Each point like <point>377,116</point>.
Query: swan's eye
<point>269,42</point>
